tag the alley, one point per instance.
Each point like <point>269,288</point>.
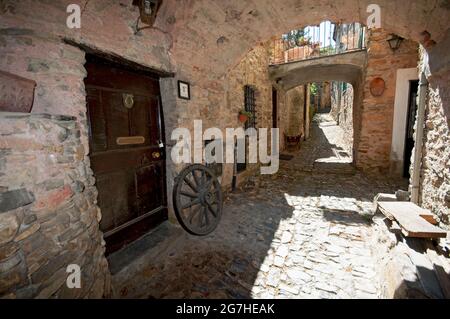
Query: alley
<point>303,233</point>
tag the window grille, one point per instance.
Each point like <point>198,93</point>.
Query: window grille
<point>250,105</point>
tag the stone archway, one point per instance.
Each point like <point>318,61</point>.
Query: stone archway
<point>210,38</point>
<point>217,34</point>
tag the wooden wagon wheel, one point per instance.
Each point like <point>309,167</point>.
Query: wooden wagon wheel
<point>197,198</point>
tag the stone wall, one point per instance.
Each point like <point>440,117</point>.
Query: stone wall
<point>374,146</point>
<point>435,168</point>
<point>409,268</point>
<point>48,212</point>
<point>251,70</point>
<point>295,103</point>
<point>325,95</point>
<point>342,109</point>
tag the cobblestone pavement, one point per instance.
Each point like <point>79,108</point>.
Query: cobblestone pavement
<point>301,233</point>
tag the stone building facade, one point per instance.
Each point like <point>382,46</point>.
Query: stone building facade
<point>49,215</point>
<point>371,116</point>
<point>251,70</point>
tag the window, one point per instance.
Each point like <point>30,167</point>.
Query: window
<point>250,105</point>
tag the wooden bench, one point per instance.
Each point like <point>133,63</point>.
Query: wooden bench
<point>413,220</point>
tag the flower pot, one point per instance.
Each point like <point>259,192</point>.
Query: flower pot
<point>16,93</point>
<point>243,118</point>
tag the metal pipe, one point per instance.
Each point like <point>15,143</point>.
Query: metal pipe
<point>415,187</point>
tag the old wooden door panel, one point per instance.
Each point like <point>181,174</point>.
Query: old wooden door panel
<point>126,156</point>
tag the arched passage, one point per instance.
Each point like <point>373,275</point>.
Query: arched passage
<point>222,32</point>
<point>210,38</point>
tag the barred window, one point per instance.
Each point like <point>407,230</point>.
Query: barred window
<point>250,105</point>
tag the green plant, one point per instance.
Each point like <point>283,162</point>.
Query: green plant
<point>313,89</point>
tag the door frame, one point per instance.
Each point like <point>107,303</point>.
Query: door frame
<point>399,124</point>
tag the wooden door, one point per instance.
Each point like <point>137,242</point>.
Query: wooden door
<point>126,150</point>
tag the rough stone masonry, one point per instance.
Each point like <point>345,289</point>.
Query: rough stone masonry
<point>48,214</point>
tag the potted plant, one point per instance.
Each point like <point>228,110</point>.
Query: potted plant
<point>244,116</point>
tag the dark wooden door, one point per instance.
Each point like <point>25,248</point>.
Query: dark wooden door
<point>126,150</point>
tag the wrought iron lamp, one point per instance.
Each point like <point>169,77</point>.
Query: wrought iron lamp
<point>394,42</point>
<point>148,10</point>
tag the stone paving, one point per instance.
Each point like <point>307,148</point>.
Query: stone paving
<point>302,233</point>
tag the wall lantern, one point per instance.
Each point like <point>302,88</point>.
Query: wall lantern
<point>148,10</point>
<point>394,42</point>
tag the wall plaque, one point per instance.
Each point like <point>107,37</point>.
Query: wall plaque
<point>377,87</point>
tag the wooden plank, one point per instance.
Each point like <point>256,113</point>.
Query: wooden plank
<point>410,208</point>
<point>411,223</point>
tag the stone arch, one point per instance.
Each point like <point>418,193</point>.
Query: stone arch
<point>211,37</point>
<point>217,34</point>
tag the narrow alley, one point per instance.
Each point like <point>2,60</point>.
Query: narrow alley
<point>130,167</point>
<point>303,233</point>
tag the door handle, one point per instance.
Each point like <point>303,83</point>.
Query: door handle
<point>160,143</point>
<point>156,155</point>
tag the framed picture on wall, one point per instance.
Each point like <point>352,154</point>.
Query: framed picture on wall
<point>184,90</point>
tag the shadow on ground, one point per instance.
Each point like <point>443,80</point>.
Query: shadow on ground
<point>169,263</point>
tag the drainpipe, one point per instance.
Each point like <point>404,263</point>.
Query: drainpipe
<point>418,147</point>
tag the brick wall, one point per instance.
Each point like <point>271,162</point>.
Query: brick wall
<point>376,114</point>
<point>48,212</point>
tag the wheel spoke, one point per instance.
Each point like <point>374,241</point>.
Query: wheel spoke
<point>191,203</point>
<point>190,184</point>
<point>211,209</point>
<point>203,178</point>
<point>197,180</point>
<point>189,194</point>
<point>205,214</point>
<point>192,215</point>
<point>208,184</point>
